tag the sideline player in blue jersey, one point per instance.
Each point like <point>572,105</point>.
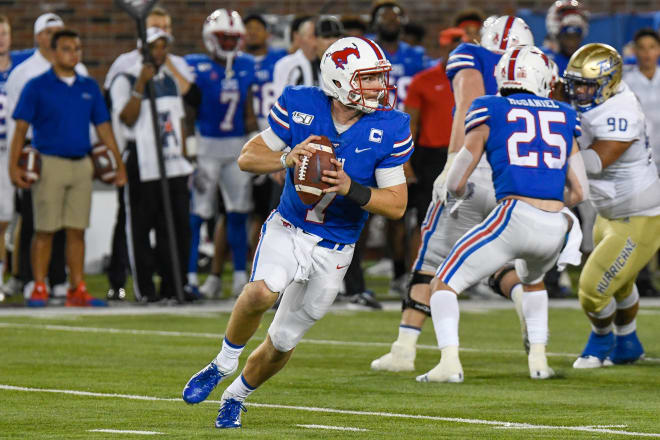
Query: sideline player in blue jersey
<point>471,70</point>
<point>567,24</point>
<point>530,143</point>
<point>305,250</point>
<point>8,61</point>
<point>224,118</point>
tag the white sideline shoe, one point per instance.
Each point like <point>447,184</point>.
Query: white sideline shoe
<point>212,287</point>
<point>400,358</point>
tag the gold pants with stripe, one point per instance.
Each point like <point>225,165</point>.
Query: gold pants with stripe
<point>622,248</point>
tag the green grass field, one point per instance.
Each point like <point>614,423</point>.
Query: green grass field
<point>132,367</point>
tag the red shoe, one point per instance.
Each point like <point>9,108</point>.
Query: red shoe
<point>80,297</point>
<point>39,295</point>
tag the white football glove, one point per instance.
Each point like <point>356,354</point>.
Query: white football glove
<point>440,183</point>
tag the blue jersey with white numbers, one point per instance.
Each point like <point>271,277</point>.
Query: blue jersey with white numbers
<point>222,111</point>
<point>472,56</point>
<point>263,92</point>
<point>406,62</point>
<point>16,57</point>
<point>380,139</point>
<point>529,143</point>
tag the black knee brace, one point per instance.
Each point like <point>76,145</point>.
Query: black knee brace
<point>408,302</point>
<point>494,279</point>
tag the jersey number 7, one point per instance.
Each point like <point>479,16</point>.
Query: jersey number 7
<point>556,140</point>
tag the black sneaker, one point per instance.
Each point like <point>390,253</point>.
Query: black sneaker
<point>366,300</point>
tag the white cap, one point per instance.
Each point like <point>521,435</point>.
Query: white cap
<point>155,33</point>
<point>46,21</point>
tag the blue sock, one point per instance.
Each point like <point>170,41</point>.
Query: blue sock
<point>237,238</point>
<point>195,226</point>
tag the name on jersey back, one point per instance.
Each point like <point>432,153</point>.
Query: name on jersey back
<point>533,102</point>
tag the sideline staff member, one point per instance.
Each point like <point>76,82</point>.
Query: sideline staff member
<point>60,104</point>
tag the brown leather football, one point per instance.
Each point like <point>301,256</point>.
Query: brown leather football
<point>105,165</point>
<point>30,162</point>
<point>307,175</point>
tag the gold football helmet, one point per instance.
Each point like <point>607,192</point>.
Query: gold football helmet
<point>593,75</point>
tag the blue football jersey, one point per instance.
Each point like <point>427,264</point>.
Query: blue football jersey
<point>529,143</point>
<point>16,57</point>
<point>406,62</point>
<point>221,113</point>
<point>380,139</point>
<point>472,56</point>
<point>559,58</point>
<point>263,91</point>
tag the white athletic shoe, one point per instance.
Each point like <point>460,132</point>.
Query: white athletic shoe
<point>400,358</point>
<point>538,367</point>
<point>212,287</point>
<point>448,370</point>
<point>60,290</point>
<point>239,281</point>
<point>591,362</point>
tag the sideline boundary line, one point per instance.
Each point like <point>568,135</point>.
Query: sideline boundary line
<point>460,420</point>
<point>219,337</point>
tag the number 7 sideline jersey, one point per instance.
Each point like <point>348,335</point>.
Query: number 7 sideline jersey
<point>625,187</point>
<point>528,145</point>
<point>378,140</point>
<point>220,119</point>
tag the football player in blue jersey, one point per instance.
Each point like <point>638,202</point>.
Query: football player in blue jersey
<point>224,117</point>
<point>567,24</point>
<point>305,250</point>
<point>471,70</point>
<point>9,59</point>
<point>530,142</point>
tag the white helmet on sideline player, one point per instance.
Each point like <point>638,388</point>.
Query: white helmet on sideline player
<point>567,16</point>
<point>505,32</point>
<point>342,66</point>
<point>222,32</point>
<point>526,68</point>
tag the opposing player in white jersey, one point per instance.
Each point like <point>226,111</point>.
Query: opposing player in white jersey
<point>625,189</point>
<point>529,141</point>
<point>470,69</point>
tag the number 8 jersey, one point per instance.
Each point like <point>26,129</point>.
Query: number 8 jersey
<point>529,142</point>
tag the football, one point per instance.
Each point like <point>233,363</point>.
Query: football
<point>307,175</point>
<point>105,165</point>
<point>30,162</point>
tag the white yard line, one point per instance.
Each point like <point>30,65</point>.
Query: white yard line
<point>460,420</point>
<point>124,431</point>
<point>333,428</point>
<point>70,328</point>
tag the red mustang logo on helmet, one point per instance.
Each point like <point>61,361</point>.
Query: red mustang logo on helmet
<point>340,57</point>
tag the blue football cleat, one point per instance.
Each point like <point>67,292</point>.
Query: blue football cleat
<point>229,414</point>
<point>201,384</point>
<point>596,351</point>
<point>627,349</point>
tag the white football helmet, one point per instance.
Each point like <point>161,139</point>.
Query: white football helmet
<point>222,33</point>
<point>343,66</point>
<point>565,14</point>
<point>505,32</point>
<point>525,68</point>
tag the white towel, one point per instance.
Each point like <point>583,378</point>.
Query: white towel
<point>571,254</point>
<point>303,245</point>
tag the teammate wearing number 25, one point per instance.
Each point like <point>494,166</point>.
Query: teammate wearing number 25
<point>305,250</point>
<point>625,191</point>
<point>529,141</point>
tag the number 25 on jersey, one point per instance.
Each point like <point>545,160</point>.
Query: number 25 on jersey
<point>529,134</point>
